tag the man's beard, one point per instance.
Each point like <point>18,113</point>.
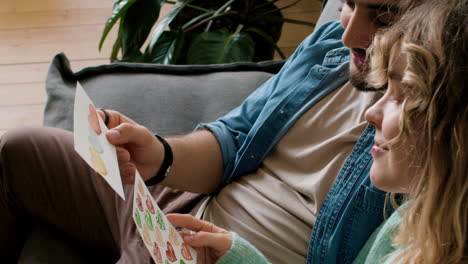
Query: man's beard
<point>357,77</point>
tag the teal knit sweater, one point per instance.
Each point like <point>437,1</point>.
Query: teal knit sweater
<point>379,246</point>
<point>376,249</point>
<point>242,252</point>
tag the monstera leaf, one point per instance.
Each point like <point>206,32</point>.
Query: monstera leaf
<point>137,24</point>
<point>120,6</point>
<point>168,48</point>
<point>220,46</point>
<point>137,17</point>
<point>165,22</point>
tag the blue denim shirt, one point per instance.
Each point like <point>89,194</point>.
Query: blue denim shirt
<point>353,208</point>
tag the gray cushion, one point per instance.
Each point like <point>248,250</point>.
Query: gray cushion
<point>166,99</point>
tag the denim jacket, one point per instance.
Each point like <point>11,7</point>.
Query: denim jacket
<point>353,208</point>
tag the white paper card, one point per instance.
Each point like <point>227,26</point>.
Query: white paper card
<point>162,240</point>
<point>91,142</point>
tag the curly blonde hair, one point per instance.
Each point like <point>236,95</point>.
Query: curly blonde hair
<point>434,123</point>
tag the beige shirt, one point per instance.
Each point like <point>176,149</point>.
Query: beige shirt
<point>276,206</point>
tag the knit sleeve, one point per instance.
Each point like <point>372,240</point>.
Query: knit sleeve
<point>242,252</point>
<point>379,246</point>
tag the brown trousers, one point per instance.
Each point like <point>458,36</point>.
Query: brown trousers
<point>42,179</point>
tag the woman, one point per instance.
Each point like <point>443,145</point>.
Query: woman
<point>421,135</point>
<point>420,149</point>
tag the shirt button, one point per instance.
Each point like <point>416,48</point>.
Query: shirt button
<point>320,70</point>
<point>282,112</point>
<point>252,156</point>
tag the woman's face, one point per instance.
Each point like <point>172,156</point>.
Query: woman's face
<point>392,165</point>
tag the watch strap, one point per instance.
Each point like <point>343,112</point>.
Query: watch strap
<point>165,166</point>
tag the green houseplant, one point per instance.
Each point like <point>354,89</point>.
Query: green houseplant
<point>197,31</point>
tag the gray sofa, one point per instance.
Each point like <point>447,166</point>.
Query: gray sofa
<point>167,99</point>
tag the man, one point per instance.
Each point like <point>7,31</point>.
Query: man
<point>291,161</point>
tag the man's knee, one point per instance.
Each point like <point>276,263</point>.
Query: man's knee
<point>21,141</point>
<point>13,139</point>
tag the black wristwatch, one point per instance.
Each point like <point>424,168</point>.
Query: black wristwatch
<point>165,166</point>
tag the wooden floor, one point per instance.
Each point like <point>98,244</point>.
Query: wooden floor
<point>32,31</point>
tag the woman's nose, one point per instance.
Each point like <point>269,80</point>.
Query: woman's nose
<point>374,115</point>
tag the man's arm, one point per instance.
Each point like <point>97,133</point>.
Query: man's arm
<point>197,159</point>
<point>198,163</point>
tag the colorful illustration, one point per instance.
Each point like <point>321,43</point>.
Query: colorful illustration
<point>137,219</point>
<point>157,254</point>
<point>147,236</point>
<point>149,204</point>
<point>185,251</point>
<point>139,203</point>
<point>97,162</point>
<point>90,142</point>
<point>94,129</point>
<point>93,119</point>
<point>160,220</point>
<point>173,237</point>
<point>159,237</point>
<point>141,189</point>
<point>149,220</point>
<point>93,140</point>
<point>95,148</point>
<point>162,240</point>
<point>170,253</point>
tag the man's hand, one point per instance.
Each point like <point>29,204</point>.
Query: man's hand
<point>211,242</point>
<point>137,147</point>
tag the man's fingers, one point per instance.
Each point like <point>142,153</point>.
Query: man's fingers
<point>127,173</point>
<point>127,133</point>
<point>115,118</point>
<point>123,156</point>
<point>101,114</point>
<point>126,167</point>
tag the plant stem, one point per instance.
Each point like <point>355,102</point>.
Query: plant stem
<point>218,13</point>
<point>189,5</point>
<point>282,8</point>
<point>300,22</point>
<point>206,20</point>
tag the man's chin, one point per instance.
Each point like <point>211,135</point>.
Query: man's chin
<point>357,77</point>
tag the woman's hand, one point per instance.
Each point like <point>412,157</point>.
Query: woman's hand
<point>211,242</point>
<point>137,147</point>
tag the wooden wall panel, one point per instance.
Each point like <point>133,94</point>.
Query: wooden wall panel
<point>33,31</point>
